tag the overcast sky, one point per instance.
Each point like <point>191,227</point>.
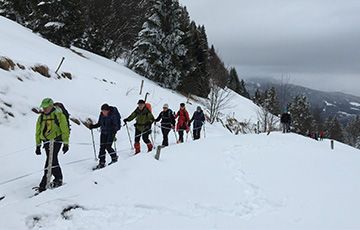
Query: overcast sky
<point>316,42</point>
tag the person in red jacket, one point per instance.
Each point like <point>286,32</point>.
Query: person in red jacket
<point>183,122</point>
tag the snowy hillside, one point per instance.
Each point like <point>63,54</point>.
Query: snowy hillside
<point>221,182</point>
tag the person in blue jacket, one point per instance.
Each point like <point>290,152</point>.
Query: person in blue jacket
<point>109,123</point>
<point>199,119</point>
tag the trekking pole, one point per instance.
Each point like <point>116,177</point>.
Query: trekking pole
<point>152,138</point>
<point>93,142</point>
<point>154,135</point>
<point>115,144</point>
<point>49,166</point>
<point>176,138</point>
<point>127,128</point>
<point>204,130</point>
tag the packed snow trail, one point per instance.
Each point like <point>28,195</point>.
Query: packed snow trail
<point>250,181</point>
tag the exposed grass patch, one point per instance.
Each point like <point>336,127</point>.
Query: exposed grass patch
<point>6,64</point>
<point>42,69</point>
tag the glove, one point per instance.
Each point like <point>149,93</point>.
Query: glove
<point>91,126</point>
<point>65,148</point>
<point>38,150</point>
<point>125,121</point>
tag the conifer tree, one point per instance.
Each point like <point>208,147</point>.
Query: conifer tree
<point>156,54</point>
<point>271,101</point>
<point>302,119</point>
<point>334,129</point>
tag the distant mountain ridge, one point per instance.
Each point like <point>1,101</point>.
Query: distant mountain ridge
<point>344,106</point>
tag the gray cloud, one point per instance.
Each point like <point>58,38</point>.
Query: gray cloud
<point>315,41</point>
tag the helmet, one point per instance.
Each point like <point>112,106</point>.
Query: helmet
<point>47,102</point>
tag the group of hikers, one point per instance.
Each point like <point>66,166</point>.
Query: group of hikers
<point>53,127</point>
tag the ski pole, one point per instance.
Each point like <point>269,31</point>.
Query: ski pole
<point>93,142</point>
<point>127,128</point>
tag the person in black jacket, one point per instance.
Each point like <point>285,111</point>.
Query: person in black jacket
<point>198,118</point>
<point>285,122</point>
<point>109,123</point>
<point>167,118</point>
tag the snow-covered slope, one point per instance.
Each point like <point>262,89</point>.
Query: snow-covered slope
<point>221,182</point>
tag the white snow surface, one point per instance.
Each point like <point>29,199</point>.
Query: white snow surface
<point>355,104</point>
<point>250,181</point>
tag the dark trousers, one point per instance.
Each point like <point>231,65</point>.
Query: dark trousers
<point>56,170</point>
<point>144,134</point>
<point>197,133</point>
<point>165,132</point>
<point>286,127</point>
<point>106,141</point>
<point>181,136</point>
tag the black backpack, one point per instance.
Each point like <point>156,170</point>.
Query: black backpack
<point>117,117</point>
<point>62,108</point>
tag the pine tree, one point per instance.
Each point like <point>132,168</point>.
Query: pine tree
<point>258,97</point>
<point>352,131</point>
<point>271,101</point>
<point>236,85</point>
<point>302,119</point>
<point>334,129</point>
<point>219,74</point>
<point>16,10</point>
<point>60,21</point>
<point>158,50</point>
<point>357,144</point>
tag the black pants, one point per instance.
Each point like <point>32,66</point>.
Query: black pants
<point>165,132</point>
<point>106,141</point>
<point>286,127</point>
<point>144,134</point>
<point>197,133</point>
<point>56,170</point>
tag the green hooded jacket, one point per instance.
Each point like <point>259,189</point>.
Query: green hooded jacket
<point>52,126</point>
<point>144,119</point>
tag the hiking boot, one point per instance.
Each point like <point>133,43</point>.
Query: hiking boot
<point>114,160</point>
<point>150,147</point>
<point>56,183</point>
<point>137,148</point>
<point>99,166</point>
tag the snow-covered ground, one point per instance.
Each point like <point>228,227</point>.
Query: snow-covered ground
<point>221,182</point>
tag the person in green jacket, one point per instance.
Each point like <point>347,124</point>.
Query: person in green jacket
<point>144,120</point>
<point>52,125</point>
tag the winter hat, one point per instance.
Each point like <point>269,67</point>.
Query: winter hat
<point>182,105</point>
<point>198,108</point>
<point>47,102</point>
<point>166,106</point>
<point>105,107</point>
<point>141,102</point>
